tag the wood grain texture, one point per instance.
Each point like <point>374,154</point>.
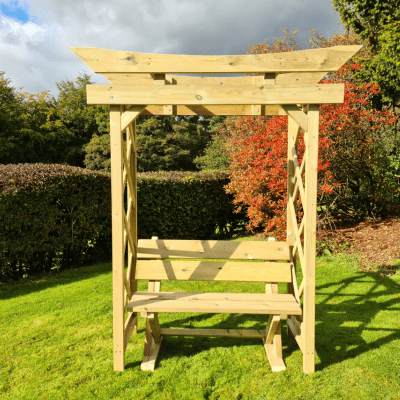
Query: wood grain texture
<point>290,79</point>
<point>118,243</point>
<point>242,333</point>
<point>210,110</point>
<point>214,249</point>
<point>104,61</point>
<point>211,95</point>
<point>214,303</point>
<point>310,216</point>
<point>213,271</point>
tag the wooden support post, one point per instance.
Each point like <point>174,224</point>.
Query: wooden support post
<point>271,288</point>
<point>310,215</point>
<point>118,244</point>
<point>273,343</point>
<point>153,336</point>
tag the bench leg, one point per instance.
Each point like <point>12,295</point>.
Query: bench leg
<point>152,344</point>
<point>273,343</point>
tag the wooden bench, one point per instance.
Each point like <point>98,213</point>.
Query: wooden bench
<point>249,261</point>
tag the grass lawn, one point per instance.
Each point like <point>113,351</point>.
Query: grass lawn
<point>56,343</point>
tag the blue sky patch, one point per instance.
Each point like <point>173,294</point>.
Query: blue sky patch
<point>12,10</point>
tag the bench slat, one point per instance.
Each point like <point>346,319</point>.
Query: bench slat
<point>213,271</point>
<point>243,303</point>
<point>214,249</point>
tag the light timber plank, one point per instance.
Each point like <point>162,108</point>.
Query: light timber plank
<point>132,244</point>
<point>211,110</point>
<point>297,114</point>
<point>126,285</point>
<point>299,179</point>
<point>295,287</point>
<point>206,95</point>
<point>289,79</point>
<point>310,215</point>
<point>257,109</point>
<point>147,80</point>
<point>104,61</point>
<point>301,288</point>
<point>215,249</point>
<point>127,171</point>
<point>150,355</point>
<point>242,333</point>
<point>204,302</point>
<point>292,133</point>
<point>168,110</point>
<point>132,206</point>
<point>277,342</point>
<point>276,363</point>
<point>273,343</point>
<point>249,297</point>
<point>130,327</point>
<point>272,326</point>
<point>298,244</point>
<point>294,327</point>
<point>130,115</point>
<point>117,237</point>
<point>271,288</point>
<point>300,78</point>
<point>155,327</point>
<point>213,271</point>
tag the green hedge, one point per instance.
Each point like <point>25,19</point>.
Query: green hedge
<point>52,217</point>
<point>58,217</point>
<point>186,205</point>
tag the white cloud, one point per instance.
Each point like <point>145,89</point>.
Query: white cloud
<point>36,55</point>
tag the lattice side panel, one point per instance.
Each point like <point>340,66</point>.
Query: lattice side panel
<point>302,199</point>
<point>130,223</point>
<point>124,224</point>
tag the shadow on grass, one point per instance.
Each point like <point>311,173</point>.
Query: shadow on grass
<point>46,281</point>
<point>345,310</point>
<point>346,313</point>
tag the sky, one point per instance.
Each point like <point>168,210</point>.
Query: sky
<point>35,35</point>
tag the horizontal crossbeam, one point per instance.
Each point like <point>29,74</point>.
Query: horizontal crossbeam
<point>213,271</point>
<point>291,79</point>
<point>206,95</point>
<point>243,303</point>
<point>243,333</point>
<point>103,60</point>
<point>214,249</point>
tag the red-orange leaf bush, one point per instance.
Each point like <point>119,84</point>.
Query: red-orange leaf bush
<point>353,171</point>
<point>258,170</point>
<point>360,155</point>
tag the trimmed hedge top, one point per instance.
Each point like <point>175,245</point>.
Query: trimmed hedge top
<point>34,176</point>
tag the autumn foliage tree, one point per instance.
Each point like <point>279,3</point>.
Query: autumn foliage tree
<point>356,176</point>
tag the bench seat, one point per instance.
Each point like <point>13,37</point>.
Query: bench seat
<point>243,303</point>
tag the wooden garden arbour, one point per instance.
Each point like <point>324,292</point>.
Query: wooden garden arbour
<point>285,84</point>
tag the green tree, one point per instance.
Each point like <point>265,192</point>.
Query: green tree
<point>164,143</point>
<point>9,122</point>
<point>378,23</point>
<point>22,116</point>
<point>72,118</point>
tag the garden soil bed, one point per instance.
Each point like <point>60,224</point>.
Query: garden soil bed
<point>377,243</point>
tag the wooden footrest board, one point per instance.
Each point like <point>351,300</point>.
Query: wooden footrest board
<point>243,303</point>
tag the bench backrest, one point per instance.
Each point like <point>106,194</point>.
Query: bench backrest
<point>249,261</point>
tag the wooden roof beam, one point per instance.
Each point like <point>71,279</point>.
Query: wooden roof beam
<point>324,60</point>
<point>207,95</point>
